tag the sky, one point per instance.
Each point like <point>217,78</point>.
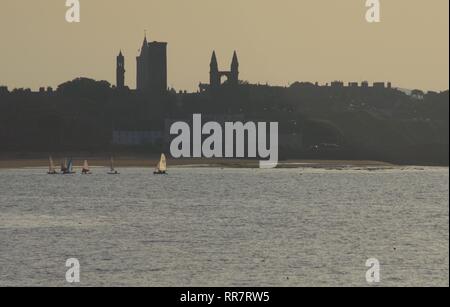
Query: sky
<point>278,42</point>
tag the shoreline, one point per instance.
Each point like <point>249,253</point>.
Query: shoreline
<point>150,162</point>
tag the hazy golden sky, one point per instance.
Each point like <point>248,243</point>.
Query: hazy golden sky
<point>278,42</point>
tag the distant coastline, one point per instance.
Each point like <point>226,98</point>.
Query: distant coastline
<point>151,161</point>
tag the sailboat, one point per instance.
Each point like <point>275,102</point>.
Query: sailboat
<point>86,170</point>
<point>112,169</point>
<point>51,167</point>
<point>161,168</point>
<point>63,166</point>
<point>67,169</point>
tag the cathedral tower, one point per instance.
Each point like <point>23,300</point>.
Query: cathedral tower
<point>214,75</point>
<point>234,73</point>
<point>152,67</point>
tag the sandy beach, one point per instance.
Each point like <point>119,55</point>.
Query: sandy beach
<point>14,163</point>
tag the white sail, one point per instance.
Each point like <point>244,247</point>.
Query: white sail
<point>112,164</point>
<point>162,165</point>
<point>51,165</point>
<point>86,165</point>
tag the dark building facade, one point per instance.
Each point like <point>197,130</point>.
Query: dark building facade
<point>120,71</point>
<point>152,67</point>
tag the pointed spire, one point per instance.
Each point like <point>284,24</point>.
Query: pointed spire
<point>214,65</point>
<point>145,43</point>
<point>235,61</point>
<point>120,57</point>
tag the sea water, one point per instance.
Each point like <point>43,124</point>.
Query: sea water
<point>225,227</point>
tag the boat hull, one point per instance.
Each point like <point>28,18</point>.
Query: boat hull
<point>159,173</point>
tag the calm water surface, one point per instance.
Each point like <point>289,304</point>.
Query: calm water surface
<point>225,227</point>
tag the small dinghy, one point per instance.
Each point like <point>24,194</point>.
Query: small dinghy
<point>67,169</point>
<point>86,170</point>
<point>51,167</point>
<point>112,170</point>
<point>161,168</point>
<point>63,166</point>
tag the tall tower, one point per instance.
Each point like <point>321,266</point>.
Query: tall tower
<point>141,71</point>
<point>234,73</point>
<point>214,76</point>
<point>120,71</point>
<point>152,67</point>
<point>157,67</point>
